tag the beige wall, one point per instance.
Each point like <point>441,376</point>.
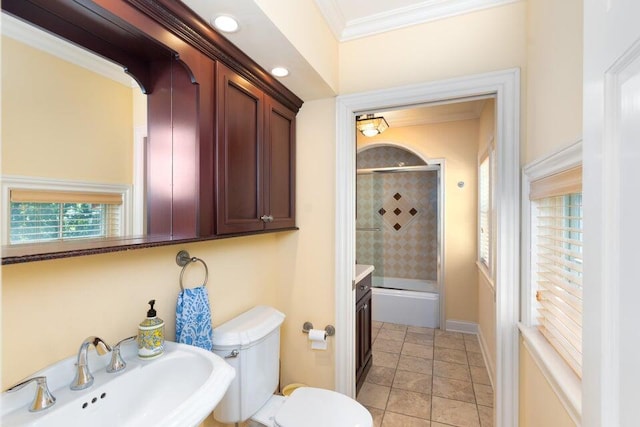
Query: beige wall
<point>139,108</point>
<point>62,121</point>
<point>487,322</point>
<point>487,125</point>
<point>457,143</point>
<point>554,81</point>
<point>553,121</point>
<point>488,40</point>
<point>49,307</point>
<point>305,288</point>
<point>539,405</point>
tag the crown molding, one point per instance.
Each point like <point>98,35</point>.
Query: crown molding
<point>333,16</point>
<point>41,40</point>
<point>394,19</point>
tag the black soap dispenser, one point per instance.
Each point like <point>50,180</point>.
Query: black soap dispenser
<point>151,335</point>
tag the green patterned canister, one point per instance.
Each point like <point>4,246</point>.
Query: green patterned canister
<point>151,335</point>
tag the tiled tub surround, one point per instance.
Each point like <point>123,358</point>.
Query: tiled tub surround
<point>386,156</point>
<point>426,377</point>
<point>397,215</point>
<point>397,223</point>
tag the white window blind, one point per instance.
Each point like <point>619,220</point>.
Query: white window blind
<point>485,212</point>
<point>557,261</point>
<point>39,216</point>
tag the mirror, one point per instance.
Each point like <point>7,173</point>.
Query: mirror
<point>74,122</point>
<point>71,119</point>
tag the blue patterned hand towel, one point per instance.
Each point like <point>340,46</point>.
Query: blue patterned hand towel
<point>193,318</point>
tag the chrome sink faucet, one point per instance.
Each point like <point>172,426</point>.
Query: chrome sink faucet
<point>83,377</point>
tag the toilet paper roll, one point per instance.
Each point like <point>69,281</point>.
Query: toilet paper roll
<point>318,338</point>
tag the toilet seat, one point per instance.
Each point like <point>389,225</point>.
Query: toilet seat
<point>316,407</point>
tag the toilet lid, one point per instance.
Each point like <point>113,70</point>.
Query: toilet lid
<point>316,407</point>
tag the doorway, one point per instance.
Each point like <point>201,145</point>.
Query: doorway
<point>504,85</point>
<point>399,231</point>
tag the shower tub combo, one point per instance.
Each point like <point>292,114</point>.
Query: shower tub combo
<point>406,301</point>
<point>398,231</point>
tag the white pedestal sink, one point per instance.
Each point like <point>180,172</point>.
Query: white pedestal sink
<point>179,389</point>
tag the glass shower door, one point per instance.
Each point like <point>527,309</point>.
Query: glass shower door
<point>369,223</point>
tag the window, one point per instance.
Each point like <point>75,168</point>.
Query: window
<point>556,262</point>
<point>35,221</point>
<point>45,210</point>
<point>485,210</point>
<point>551,317</point>
<point>485,204</point>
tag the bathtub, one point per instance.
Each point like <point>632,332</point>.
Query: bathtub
<point>406,301</point>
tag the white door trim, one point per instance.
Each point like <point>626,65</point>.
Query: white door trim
<point>505,85</point>
<point>611,95</point>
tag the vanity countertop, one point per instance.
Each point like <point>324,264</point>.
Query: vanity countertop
<point>362,270</point>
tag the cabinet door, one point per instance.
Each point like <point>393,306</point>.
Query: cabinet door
<point>363,339</point>
<point>279,165</point>
<point>359,342</point>
<point>367,345</point>
<point>239,153</point>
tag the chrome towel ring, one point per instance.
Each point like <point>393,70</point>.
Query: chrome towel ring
<point>183,259</point>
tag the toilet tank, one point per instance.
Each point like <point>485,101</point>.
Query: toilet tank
<point>250,343</point>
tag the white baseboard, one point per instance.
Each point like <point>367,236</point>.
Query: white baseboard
<point>487,360</point>
<point>461,326</point>
<point>473,328</point>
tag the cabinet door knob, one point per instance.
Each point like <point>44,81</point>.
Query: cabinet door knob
<point>267,218</point>
<point>363,287</point>
<point>366,306</point>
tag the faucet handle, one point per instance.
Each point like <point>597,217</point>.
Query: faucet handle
<point>117,363</point>
<point>43,398</point>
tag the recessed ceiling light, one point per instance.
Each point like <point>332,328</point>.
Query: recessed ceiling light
<point>226,23</point>
<point>280,72</point>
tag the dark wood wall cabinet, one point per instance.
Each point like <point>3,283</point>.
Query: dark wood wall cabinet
<point>221,135</point>
<point>256,158</point>
<point>364,348</point>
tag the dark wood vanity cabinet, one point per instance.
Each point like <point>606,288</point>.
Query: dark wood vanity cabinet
<point>364,344</point>
<point>255,150</point>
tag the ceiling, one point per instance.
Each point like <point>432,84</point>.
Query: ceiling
<point>350,19</point>
<point>259,38</point>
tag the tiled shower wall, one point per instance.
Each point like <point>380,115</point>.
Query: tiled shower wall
<point>397,216</point>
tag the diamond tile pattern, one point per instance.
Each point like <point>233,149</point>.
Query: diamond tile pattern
<point>397,212</point>
<point>405,245</point>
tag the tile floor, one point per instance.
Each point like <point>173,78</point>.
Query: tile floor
<point>426,377</point>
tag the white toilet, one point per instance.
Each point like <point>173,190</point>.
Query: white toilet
<point>251,344</point>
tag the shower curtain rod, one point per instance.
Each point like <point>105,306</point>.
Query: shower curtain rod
<point>420,168</point>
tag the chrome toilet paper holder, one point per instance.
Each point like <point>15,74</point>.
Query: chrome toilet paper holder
<point>329,329</point>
